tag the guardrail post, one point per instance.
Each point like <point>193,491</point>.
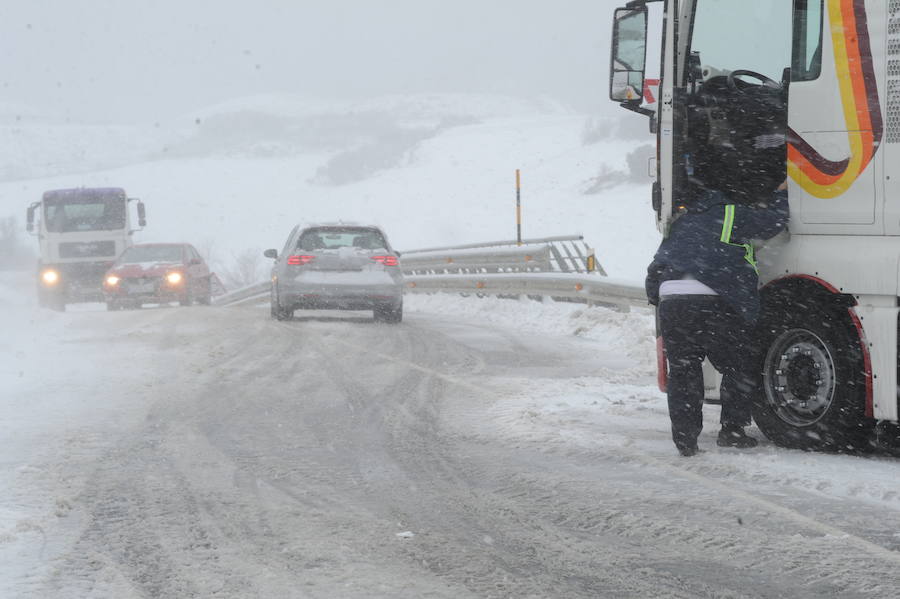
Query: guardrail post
<point>518,208</point>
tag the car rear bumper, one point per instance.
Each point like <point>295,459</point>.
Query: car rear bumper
<point>340,290</point>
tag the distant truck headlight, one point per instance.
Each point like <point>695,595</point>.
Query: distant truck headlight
<point>50,277</point>
<point>112,280</point>
<point>174,278</point>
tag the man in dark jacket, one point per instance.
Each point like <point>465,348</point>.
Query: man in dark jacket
<point>705,282</point>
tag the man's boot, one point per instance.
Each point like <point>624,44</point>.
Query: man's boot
<point>734,436</point>
<point>688,450</point>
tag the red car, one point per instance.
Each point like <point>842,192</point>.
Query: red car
<point>156,273</point>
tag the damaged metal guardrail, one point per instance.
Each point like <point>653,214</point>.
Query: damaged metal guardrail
<point>567,254</point>
<point>559,267</point>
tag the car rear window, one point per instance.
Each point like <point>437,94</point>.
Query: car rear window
<point>331,238</point>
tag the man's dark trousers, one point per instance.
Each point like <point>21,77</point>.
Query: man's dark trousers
<point>695,327</point>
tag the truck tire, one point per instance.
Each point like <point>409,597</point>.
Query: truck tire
<point>51,299</point>
<point>56,301</point>
<point>813,392</point>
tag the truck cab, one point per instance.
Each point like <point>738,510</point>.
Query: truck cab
<point>80,233</point>
<point>751,94</point>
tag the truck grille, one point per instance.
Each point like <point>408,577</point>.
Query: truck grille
<point>87,249</point>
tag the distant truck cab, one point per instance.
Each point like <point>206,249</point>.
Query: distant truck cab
<point>80,232</point>
<point>751,94</point>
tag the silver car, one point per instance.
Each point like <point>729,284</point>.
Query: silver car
<point>337,266</point>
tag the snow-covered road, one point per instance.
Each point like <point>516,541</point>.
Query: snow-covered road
<point>479,449</point>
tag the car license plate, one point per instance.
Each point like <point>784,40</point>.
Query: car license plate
<point>143,287</point>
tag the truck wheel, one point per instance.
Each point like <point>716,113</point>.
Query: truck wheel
<point>57,301</point>
<point>113,306</point>
<point>813,391</point>
<point>889,437</point>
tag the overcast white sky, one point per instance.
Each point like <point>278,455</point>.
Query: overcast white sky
<point>131,60</point>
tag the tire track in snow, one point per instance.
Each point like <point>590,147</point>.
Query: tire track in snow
<point>876,551</point>
<point>239,442</point>
<point>524,554</point>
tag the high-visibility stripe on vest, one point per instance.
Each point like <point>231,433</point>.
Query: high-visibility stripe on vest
<point>727,227</point>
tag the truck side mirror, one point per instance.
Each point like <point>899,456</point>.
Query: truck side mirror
<point>628,55</point>
<point>29,220</point>
<point>273,254</point>
<point>142,214</point>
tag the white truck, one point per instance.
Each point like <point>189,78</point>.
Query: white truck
<point>752,93</point>
<point>81,232</point>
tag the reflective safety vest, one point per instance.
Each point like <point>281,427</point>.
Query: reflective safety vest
<point>727,227</point>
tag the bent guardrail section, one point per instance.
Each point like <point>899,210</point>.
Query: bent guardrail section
<point>563,254</point>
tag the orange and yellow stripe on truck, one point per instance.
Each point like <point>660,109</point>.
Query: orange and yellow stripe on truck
<point>855,71</point>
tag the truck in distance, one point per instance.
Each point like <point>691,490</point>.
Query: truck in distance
<point>80,234</point>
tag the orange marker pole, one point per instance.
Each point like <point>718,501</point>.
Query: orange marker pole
<point>518,207</point>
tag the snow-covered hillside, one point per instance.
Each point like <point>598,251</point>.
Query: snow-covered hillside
<point>432,170</point>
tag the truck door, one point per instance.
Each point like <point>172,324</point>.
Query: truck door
<point>669,79</point>
<point>834,117</point>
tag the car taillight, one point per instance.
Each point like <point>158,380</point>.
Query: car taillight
<point>300,260</point>
<point>386,260</point>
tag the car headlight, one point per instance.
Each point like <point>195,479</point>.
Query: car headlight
<point>174,278</point>
<point>112,280</point>
<point>50,277</point>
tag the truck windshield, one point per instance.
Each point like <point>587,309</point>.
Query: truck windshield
<point>71,214</point>
<point>754,36</point>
